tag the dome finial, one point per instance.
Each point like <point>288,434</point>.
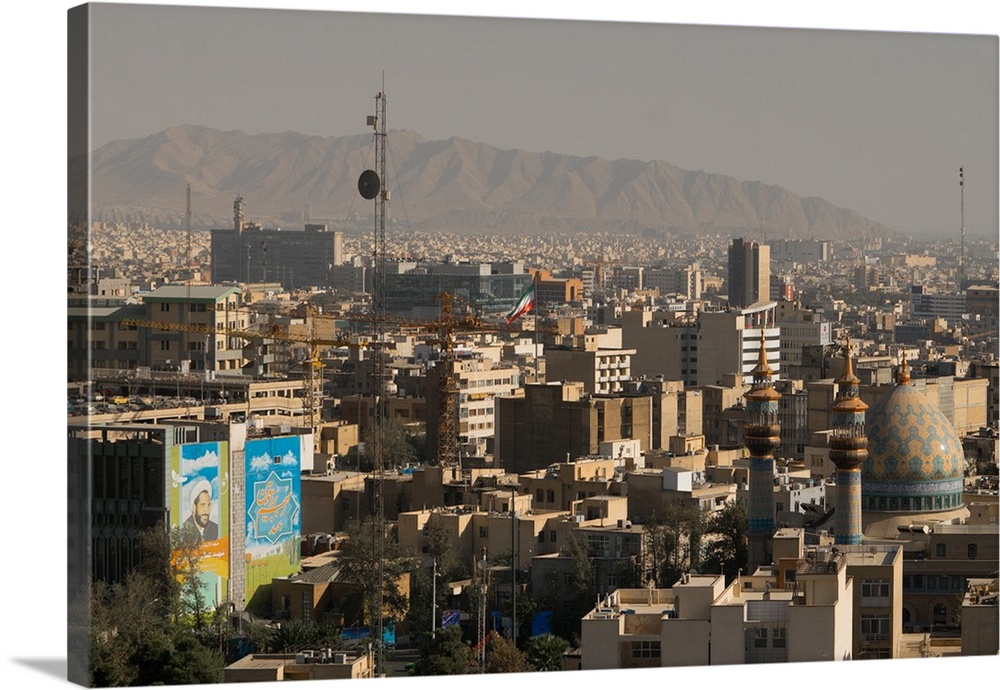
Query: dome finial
<point>903,377</point>
<point>762,367</point>
<point>848,364</point>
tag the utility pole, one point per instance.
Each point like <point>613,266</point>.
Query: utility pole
<point>513,566</point>
<point>433,596</point>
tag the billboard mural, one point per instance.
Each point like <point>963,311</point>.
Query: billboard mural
<point>199,503</point>
<point>273,518</point>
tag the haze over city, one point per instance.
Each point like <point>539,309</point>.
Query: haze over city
<point>904,176</point>
<point>877,122</point>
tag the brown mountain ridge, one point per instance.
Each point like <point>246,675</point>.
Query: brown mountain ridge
<point>287,178</point>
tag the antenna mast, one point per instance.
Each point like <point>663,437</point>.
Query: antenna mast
<point>378,337</point>
<point>961,260</point>
<point>187,225</point>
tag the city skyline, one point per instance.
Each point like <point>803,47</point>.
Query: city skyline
<point>36,655</point>
<point>874,121</point>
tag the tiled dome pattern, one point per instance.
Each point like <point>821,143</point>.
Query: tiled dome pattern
<point>914,455</point>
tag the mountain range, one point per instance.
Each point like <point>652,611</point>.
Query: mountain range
<point>289,178</point>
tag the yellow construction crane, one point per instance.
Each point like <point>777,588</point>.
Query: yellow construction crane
<point>314,366</point>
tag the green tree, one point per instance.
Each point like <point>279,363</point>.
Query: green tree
<point>445,654</point>
<point>440,558</point>
<point>726,541</point>
<point>570,594</point>
<point>545,651</point>
<point>152,627</point>
<point>295,636</point>
<point>504,657</point>
<point>365,558</point>
<point>186,558</point>
<point>401,447</point>
<point>673,539</point>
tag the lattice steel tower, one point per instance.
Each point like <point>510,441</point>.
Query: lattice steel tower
<point>371,185</point>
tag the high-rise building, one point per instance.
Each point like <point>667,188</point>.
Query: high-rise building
<point>249,253</point>
<point>729,343</point>
<point>749,273</point>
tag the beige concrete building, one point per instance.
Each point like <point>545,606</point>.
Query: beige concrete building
<point>730,342</point>
<point>650,492</point>
<point>602,370</point>
<point>980,622</point>
<point>701,622</point>
<point>558,486</point>
<point>962,401</point>
<point>480,381</point>
<point>555,422</point>
<point>318,665</point>
<point>664,347</point>
<point>329,501</point>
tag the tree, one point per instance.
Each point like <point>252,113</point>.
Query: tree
<point>400,448</point>
<point>186,557</point>
<point>295,636</point>
<point>445,654</point>
<point>504,657</point>
<point>545,652</point>
<point>140,633</point>
<point>674,538</point>
<point>440,558</point>
<point>365,558</point>
<point>570,594</point>
<point>725,533</point>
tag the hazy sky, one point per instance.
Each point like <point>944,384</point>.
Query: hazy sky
<point>875,121</point>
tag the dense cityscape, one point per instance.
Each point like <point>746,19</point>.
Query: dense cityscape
<point>586,408</point>
<point>392,405</point>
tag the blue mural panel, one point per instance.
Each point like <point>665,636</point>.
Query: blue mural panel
<point>273,515</point>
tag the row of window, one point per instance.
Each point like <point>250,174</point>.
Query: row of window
<point>934,583</point>
<point>778,636</point>
<point>941,550</point>
<point>894,503</point>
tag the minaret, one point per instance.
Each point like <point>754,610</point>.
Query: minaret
<point>762,436</point>
<point>848,451</point>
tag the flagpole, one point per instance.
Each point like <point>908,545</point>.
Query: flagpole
<point>534,277</point>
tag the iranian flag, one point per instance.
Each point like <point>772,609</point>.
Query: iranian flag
<point>524,305</point>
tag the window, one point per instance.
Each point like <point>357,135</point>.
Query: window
<point>164,306</point>
<point>541,537</point>
<point>164,345</point>
<point>940,550</point>
<point>973,550</point>
<point>760,637</point>
<point>646,649</point>
<point>874,628</point>
<point>552,535</point>
<point>874,588</point>
<point>539,493</point>
<point>550,496</point>
<point>484,532</point>
<point>778,637</point>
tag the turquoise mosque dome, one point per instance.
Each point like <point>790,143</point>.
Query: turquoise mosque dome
<point>915,459</point>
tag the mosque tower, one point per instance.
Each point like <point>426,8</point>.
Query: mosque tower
<point>762,436</point>
<point>848,451</point>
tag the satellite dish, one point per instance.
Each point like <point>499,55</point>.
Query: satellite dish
<point>368,184</point>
